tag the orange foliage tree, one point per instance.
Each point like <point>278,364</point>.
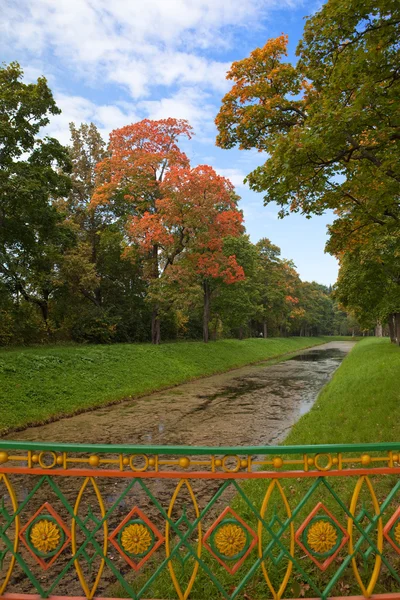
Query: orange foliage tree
<point>197,210</point>
<point>174,211</point>
<point>131,176</point>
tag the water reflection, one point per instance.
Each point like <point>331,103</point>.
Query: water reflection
<point>320,354</point>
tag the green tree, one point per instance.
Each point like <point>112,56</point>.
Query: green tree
<point>369,282</point>
<point>317,312</point>
<point>109,286</point>
<point>33,173</point>
<point>235,305</point>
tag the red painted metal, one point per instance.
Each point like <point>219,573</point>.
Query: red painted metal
<point>199,474</point>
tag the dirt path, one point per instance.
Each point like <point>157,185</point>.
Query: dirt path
<point>254,405</point>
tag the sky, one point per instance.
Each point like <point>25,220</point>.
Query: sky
<point>115,62</point>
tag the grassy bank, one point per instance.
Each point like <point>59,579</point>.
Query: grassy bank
<point>40,384</point>
<point>360,403</point>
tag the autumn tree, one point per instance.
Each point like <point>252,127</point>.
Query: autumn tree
<point>138,159</point>
<point>330,124</point>
<point>196,211</point>
<point>33,173</point>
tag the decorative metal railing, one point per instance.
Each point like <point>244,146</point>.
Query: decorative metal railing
<point>180,522</point>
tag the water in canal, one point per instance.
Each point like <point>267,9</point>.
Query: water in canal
<point>254,405</point>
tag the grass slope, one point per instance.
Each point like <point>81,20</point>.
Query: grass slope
<point>40,384</point>
<point>356,404</point>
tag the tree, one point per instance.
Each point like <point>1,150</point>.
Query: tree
<point>139,158</point>
<point>33,173</point>
<point>236,305</point>
<point>268,279</point>
<point>330,124</point>
<point>317,311</point>
<point>86,150</point>
<point>369,282</point>
<point>278,283</point>
<point>196,211</point>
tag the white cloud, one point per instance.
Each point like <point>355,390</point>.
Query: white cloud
<point>255,212</point>
<point>187,103</point>
<point>134,43</point>
<point>81,110</point>
<point>164,53</point>
<point>234,175</point>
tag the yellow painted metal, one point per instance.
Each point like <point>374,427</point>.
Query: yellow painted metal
<point>182,595</point>
<point>89,592</point>
<point>366,590</point>
<point>13,497</point>
<point>322,466</point>
<point>276,594</point>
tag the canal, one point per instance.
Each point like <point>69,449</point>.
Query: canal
<point>254,405</point>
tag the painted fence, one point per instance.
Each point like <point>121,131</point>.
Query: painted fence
<point>177,522</point>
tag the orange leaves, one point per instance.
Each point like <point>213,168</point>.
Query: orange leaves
<point>139,156</point>
<point>148,231</point>
<point>297,313</point>
<point>270,53</point>
<point>196,211</point>
<point>261,101</point>
<point>177,216</point>
<point>215,265</point>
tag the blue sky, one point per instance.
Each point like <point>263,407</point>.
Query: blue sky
<point>115,62</point>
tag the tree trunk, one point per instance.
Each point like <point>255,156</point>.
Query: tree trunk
<point>392,331</point>
<point>44,309</point>
<point>97,295</point>
<point>155,326</point>
<point>240,332</point>
<point>206,311</point>
<point>265,330</point>
<point>155,318</point>
<point>42,304</point>
<point>378,329</point>
<point>397,327</point>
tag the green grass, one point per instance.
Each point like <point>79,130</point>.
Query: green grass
<point>43,383</point>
